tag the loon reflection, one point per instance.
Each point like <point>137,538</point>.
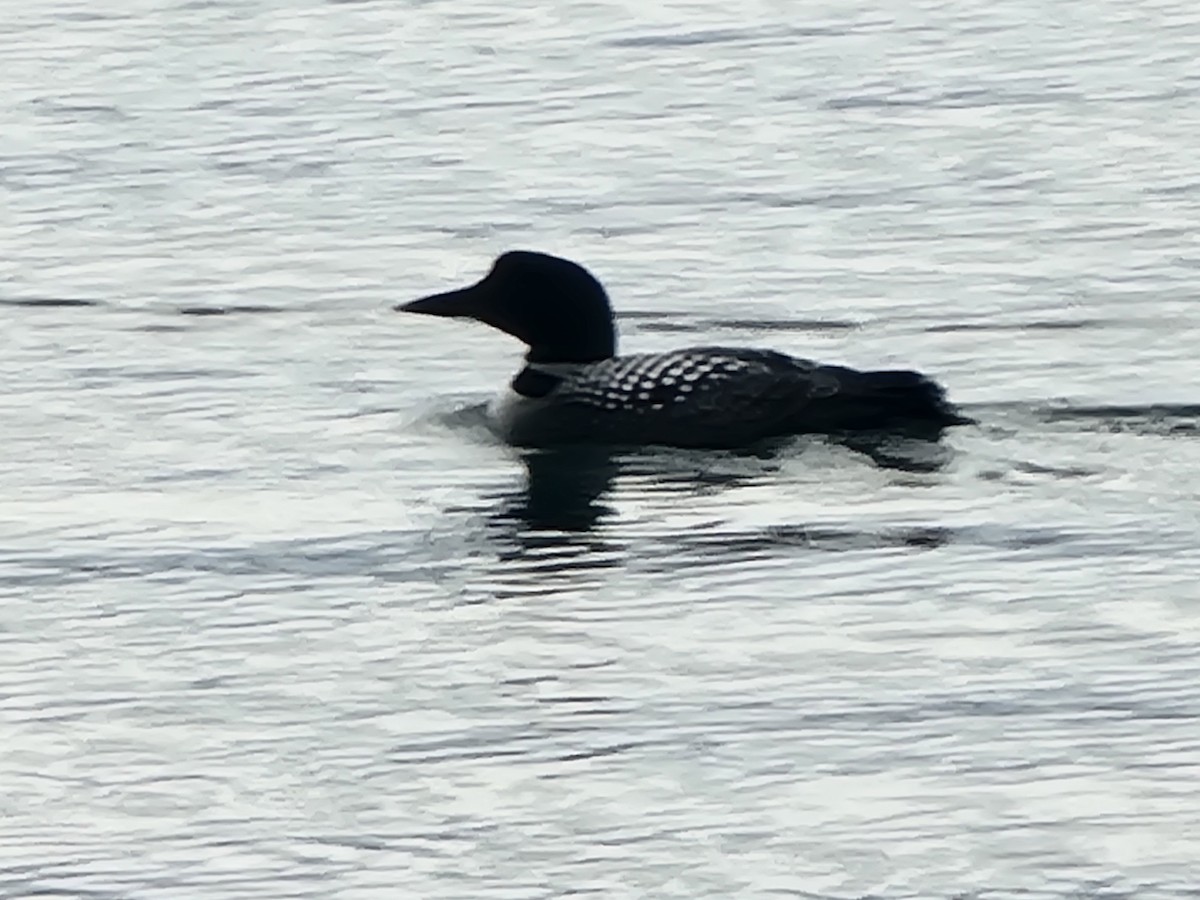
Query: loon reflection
<point>567,489</point>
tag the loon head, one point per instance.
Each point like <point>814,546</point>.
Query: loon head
<point>555,306</point>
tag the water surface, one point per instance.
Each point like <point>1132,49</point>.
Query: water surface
<point>280,619</point>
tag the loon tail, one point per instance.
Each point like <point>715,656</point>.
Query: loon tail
<point>885,400</point>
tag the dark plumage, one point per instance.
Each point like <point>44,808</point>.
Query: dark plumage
<point>574,389</point>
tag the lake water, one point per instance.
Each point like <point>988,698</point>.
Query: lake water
<point>278,619</point>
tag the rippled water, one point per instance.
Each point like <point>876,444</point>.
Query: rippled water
<point>279,619</point>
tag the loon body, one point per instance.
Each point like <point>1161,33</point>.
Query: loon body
<point>575,389</point>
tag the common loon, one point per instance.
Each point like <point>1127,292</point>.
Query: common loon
<point>575,389</point>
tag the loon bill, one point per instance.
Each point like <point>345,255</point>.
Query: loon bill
<point>575,389</point>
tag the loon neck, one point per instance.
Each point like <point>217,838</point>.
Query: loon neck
<point>538,379</point>
<point>578,353</point>
<point>558,368</point>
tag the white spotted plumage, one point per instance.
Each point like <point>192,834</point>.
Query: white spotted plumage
<point>654,381</point>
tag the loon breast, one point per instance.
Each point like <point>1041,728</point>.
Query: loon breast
<point>511,414</point>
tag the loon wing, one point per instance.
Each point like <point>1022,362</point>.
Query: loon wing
<point>702,396</point>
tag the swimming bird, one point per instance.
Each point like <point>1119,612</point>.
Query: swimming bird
<point>574,388</point>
